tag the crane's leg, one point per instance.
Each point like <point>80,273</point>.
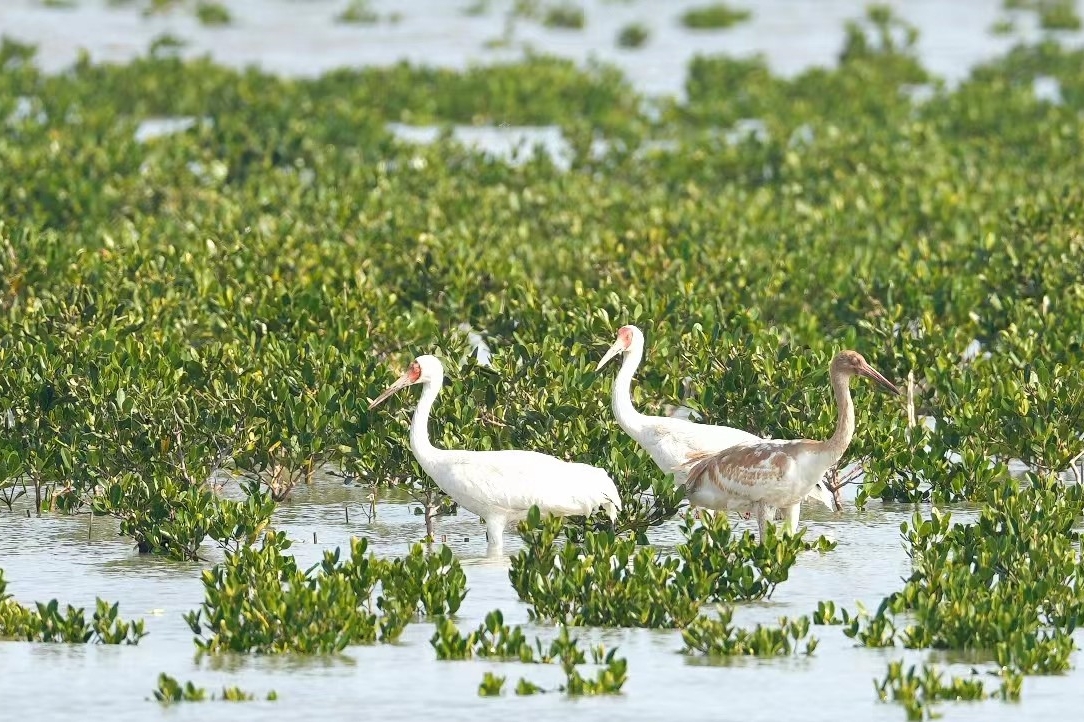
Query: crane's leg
<point>790,517</point>
<point>495,531</point>
<point>762,519</point>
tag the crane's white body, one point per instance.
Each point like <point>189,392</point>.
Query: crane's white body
<point>673,443</point>
<point>770,474</point>
<point>501,486</point>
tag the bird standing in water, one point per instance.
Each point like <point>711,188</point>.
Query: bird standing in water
<point>673,442</point>
<point>772,474</point>
<point>500,486</point>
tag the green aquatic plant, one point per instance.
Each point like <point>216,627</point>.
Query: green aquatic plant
<point>1053,14</point>
<point>170,691</point>
<point>605,579</point>
<point>564,15</point>
<point>493,640</point>
<point>826,614</point>
<point>433,582</point>
<point>633,35</point>
<point>986,586</point>
<point>358,12</point>
<point>46,623</point>
<point>714,17</point>
<point>496,640</point>
<point>918,692</point>
<point>213,13</point>
<point>323,609</point>
<point>719,638</point>
<point>491,685</point>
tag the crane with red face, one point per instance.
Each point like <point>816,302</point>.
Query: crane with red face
<point>500,486</point>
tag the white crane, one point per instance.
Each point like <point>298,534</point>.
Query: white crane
<point>673,442</point>
<point>771,474</point>
<point>500,486</point>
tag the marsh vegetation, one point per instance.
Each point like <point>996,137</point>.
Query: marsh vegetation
<point>195,315</point>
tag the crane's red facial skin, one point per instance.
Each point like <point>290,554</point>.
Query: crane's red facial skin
<point>624,336</point>
<point>412,375</point>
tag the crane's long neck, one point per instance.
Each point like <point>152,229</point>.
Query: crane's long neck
<point>841,438</point>
<point>627,416</point>
<point>419,426</point>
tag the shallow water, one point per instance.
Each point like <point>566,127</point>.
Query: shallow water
<point>302,38</point>
<point>52,557</point>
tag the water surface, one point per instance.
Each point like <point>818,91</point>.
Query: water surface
<point>52,557</point>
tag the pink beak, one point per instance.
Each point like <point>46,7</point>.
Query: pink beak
<point>871,373</point>
<point>401,383</point>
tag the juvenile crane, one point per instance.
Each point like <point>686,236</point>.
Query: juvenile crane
<point>500,486</point>
<point>672,442</point>
<point>772,474</point>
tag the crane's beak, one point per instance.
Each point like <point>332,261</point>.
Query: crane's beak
<point>617,348</point>
<point>401,383</point>
<point>871,373</point>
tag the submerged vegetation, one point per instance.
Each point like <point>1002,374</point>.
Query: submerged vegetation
<point>633,35</point>
<point>968,579</point>
<point>608,580</point>
<point>213,13</point>
<point>169,690</point>
<point>719,638</point>
<point>495,640</point>
<point>918,692</point>
<point>1053,14</point>
<point>193,320</point>
<point>565,15</point>
<point>259,601</point>
<point>46,623</point>
<point>358,11</point>
<point>714,17</point>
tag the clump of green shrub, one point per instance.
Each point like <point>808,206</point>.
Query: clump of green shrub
<point>213,13</point>
<point>496,640</point>
<point>170,691</point>
<point>608,580</point>
<point>46,623</point>
<point>633,35</point>
<point>719,638</point>
<point>565,15</point>
<point>259,601</point>
<point>714,17</point>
